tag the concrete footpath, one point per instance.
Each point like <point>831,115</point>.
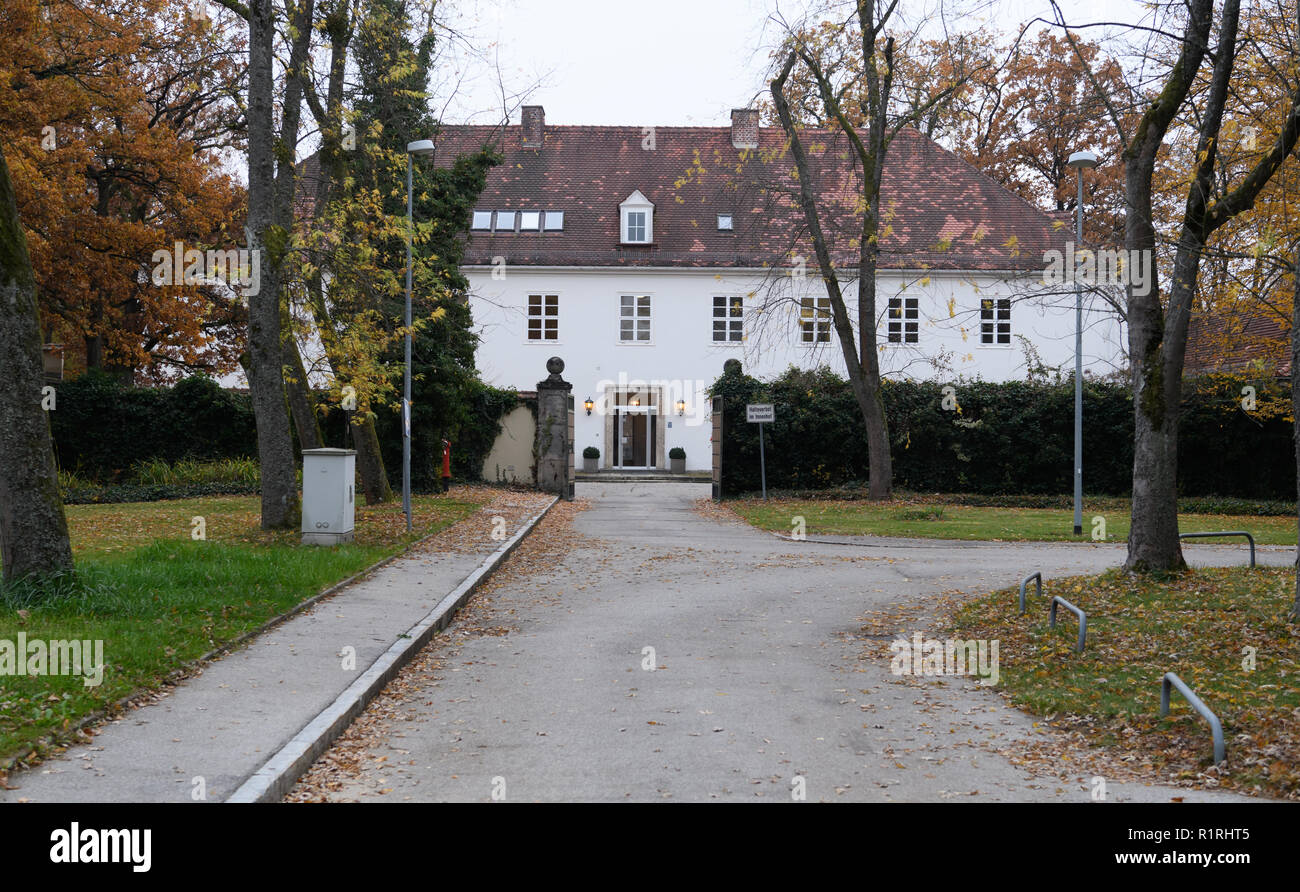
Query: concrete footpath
<point>217,728</point>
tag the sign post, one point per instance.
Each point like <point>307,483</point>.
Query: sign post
<point>760,414</point>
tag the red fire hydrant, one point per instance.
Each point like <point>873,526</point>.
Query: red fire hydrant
<point>446,465</point>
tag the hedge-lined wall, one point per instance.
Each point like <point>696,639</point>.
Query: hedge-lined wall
<point>1014,437</point>
<point>102,427</point>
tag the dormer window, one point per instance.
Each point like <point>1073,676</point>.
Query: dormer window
<point>482,220</point>
<point>636,216</point>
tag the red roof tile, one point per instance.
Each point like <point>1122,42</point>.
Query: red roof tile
<point>1233,343</point>
<point>938,212</point>
<point>941,212</point>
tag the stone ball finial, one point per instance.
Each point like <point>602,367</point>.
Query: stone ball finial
<point>555,365</point>
<point>731,367</point>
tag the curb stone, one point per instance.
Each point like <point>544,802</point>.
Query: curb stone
<point>276,777</point>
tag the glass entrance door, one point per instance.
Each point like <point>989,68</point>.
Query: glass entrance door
<point>636,429</point>
<point>634,439</point>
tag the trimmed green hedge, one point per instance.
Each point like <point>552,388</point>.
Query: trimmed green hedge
<point>103,428</point>
<point>1003,438</point>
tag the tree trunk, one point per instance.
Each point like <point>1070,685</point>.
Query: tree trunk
<point>1295,410</point>
<point>370,463</point>
<point>33,529</point>
<point>270,206</point>
<point>299,393</point>
<point>880,463</point>
<point>1153,535</point>
<point>1162,338</point>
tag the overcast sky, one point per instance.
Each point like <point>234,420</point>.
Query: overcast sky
<point>663,62</point>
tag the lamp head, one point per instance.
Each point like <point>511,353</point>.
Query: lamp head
<point>423,147</point>
<point>1082,160</point>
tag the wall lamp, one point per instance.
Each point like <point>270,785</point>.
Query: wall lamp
<point>588,405</point>
<point>681,407</point>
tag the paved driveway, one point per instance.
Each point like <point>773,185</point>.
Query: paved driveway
<point>760,673</point>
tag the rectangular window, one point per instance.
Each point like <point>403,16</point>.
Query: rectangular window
<point>904,320</point>
<point>482,220</point>
<point>724,222</point>
<point>543,317</point>
<point>554,220</point>
<point>530,221</point>
<point>634,318</point>
<point>995,321</point>
<point>505,221</point>
<point>728,319</point>
<point>815,320</point>
<point>636,226</point>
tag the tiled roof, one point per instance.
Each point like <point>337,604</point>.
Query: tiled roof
<point>940,212</point>
<point>1222,343</point>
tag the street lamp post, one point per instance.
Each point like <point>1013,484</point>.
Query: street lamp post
<point>422,147</point>
<point>1080,161</point>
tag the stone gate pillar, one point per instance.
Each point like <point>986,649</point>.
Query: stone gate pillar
<point>554,441</point>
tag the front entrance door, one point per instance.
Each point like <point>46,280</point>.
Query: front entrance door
<point>633,440</point>
<point>634,428</point>
<point>635,437</point>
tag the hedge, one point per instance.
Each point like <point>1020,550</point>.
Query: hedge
<point>1003,438</point>
<point>102,427</point>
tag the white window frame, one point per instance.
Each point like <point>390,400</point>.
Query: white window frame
<point>727,319</point>
<point>816,320</point>
<point>618,319</point>
<point>633,204</point>
<point>536,219</point>
<point>542,316</point>
<point>997,321</point>
<point>473,224</point>
<point>902,320</point>
<point>553,221</point>
<point>514,221</point>
<point>731,223</point>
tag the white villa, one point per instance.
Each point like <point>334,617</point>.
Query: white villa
<point>647,257</point>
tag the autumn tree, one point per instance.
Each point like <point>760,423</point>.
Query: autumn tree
<point>849,65</point>
<point>364,231</point>
<point>115,120</point>
<point>1158,327</point>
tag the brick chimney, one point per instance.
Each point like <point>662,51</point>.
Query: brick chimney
<point>744,128</point>
<point>532,126</point>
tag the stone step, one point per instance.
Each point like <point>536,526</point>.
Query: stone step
<point>641,477</point>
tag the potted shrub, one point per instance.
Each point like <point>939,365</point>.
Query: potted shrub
<point>590,456</point>
<point>677,460</point>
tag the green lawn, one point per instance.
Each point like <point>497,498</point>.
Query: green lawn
<point>1198,624</point>
<point>939,521</point>
<point>158,599</point>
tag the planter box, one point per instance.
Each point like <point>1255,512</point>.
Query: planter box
<point>590,465</point>
<point>677,465</point>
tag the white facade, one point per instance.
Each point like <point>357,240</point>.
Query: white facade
<point>639,342</point>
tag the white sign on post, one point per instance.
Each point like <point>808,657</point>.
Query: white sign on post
<point>761,414</point>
